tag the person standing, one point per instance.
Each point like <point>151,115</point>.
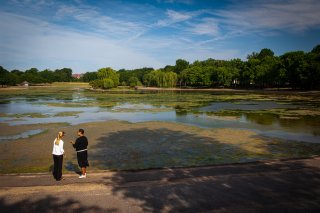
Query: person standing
<point>81,146</point>
<point>58,153</point>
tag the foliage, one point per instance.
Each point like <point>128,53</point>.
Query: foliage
<point>134,81</point>
<point>98,83</point>
<point>34,76</point>
<point>160,78</point>
<point>181,65</point>
<point>104,78</point>
<point>125,75</point>
<point>262,69</point>
<point>90,76</point>
<point>108,83</point>
<point>109,73</point>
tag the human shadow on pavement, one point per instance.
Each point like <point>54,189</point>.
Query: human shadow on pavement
<point>48,204</point>
<point>292,185</point>
<point>72,167</point>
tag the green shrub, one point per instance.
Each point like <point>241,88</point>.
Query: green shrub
<point>96,83</point>
<point>108,83</point>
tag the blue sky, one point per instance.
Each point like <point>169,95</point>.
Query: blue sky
<point>87,35</point>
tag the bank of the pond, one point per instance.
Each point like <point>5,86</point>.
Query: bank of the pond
<point>255,90</point>
<point>116,145</point>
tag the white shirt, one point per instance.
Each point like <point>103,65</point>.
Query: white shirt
<point>58,149</point>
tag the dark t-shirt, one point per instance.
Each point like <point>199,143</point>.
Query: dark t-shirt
<point>81,143</point>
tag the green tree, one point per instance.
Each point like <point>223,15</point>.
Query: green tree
<point>160,78</point>
<point>134,81</point>
<point>109,73</point>
<point>225,76</point>
<point>33,76</point>
<point>313,67</point>
<point>265,53</point>
<point>48,76</point>
<point>108,83</point>
<point>125,75</point>
<point>3,76</point>
<point>63,75</point>
<point>170,79</point>
<point>181,65</point>
<point>296,67</point>
<point>90,76</point>
<point>98,83</point>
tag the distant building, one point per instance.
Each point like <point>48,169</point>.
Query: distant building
<point>25,84</point>
<point>77,76</point>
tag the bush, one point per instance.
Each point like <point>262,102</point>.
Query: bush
<point>108,83</point>
<point>96,83</point>
<point>134,81</point>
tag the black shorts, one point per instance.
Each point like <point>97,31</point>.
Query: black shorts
<point>83,159</point>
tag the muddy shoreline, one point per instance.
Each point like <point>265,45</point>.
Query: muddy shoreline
<point>140,88</point>
<point>117,145</point>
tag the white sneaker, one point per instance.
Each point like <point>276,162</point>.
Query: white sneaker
<point>83,176</point>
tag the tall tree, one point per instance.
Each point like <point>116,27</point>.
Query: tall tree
<point>295,64</point>
<point>181,65</point>
<point>109,73</point>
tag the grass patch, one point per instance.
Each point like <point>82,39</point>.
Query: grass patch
<point>65,114</point>
<point>30,115</point>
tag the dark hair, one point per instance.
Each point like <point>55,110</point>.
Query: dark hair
<point>82,131</point>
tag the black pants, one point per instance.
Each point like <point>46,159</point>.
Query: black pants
<point>82,159</point>
<point>57,167</point>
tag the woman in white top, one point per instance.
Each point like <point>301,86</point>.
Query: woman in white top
<point>57,153</point>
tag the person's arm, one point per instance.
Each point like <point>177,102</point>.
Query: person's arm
<point>86,142</point>
<point>61,146</point>
<point>75,145</point>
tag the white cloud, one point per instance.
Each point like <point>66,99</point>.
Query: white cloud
<point>208,26</point>
<point>295,15</point>
<point>90,17</point>
<point>174,17</point>
<point>30,42</point>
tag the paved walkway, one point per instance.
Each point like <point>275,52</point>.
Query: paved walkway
<point>279,186</point>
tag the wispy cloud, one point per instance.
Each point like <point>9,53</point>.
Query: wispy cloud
<point>91,17</point>
<point>50,45</point>
<point>207,26</point>
<point>87,35</point>
<point>188,2</point>
<point>295,15</point>
<point>35,4</point>
<point>174,17</point>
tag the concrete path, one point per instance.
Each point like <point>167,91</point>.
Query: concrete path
<point>270,186</point>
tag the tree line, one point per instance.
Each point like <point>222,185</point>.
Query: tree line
<point>262,69</point>
<point>34,76</point>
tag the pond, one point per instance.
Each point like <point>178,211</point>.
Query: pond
<point>289,116</point>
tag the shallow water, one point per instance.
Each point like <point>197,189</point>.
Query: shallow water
<point>25,134</point>
<point>188,108</point>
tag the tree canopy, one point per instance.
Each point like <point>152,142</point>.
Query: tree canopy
<point>296,69</point>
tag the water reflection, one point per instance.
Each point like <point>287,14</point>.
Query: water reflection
<point>137,107</point>
<point>263,119</point>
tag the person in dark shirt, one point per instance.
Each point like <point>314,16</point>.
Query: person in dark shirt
<point>81,146</point>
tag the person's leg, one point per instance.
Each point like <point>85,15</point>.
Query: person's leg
<point>83,170</point>
<point>55,166</point>
<point>79,161</point>
<point>59,170</point>
<point>85,162</point>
